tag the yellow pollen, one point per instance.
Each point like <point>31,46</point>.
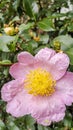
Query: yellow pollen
<point>47,121</point>
<point>40,82</point>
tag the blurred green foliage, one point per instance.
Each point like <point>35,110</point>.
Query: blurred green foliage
<point>29,25</point>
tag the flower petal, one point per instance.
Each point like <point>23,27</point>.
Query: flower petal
<point>44,54</point>
<point>19,70</point>
<point>25,58</point>
<point>43,106</point>
<point>58,65</point>
<point>10,89</point>
<point>55,117</point>
<point>44,121</point>
<point>19,106</point>
<point>65,88</point>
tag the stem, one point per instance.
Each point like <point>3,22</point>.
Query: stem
<point>39,2</point>
<point>66,128</point>
<point>36,126</point>
<point>6,64</point>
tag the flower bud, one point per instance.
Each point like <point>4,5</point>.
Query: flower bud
<point>31,33</point>
<point>6,25</point>
<point>0,34</point>
<point>16,29</point>
<point>9,31</point>
<point>57,45</point>
<point>10,23</point>
<point>36,38</point>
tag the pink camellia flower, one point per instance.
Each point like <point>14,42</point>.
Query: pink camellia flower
<point>42,86</point>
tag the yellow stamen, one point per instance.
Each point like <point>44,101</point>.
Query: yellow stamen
<point>47,121</point>
<point>40,82</point>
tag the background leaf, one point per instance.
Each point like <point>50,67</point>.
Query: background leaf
<point>4,40</point>
<point>46,25</point>
<point>28,7</point>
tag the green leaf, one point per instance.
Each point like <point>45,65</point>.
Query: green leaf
<point>40,127</point>
<point>58,128</point>
<point>35,8</point>
<point>29,120</point>
<point>44,39</point>
<point>31,127</point>
<point>16,4</point>
<point>56,15</point>
<point>1,15</point>
<point>12,46</point>
<point>15,19</point>
<point>5,62</point>
<point>2,125</point>
<point>46,25</point>
<point>70,54</point>
<point>24,27</point>
<point>33,43</point>
<point>68,120</point>
<point>70,27</point>
<point>66,41</point>
<point>12,126</point>
<point>4,40</point>
<point>28,7</point>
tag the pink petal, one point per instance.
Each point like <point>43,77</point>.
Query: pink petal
<point>55,63</point>
<point>19,106</point>
<point>65,88</point>
<point>55,117</point>
<point>44,121</point>
<point>23,104</point>
<point>19,70</point>
<point>10,89</point>
<point>44,54</point>
<point>25,58</point>
<point>58,65</point>
<point>43,106</point>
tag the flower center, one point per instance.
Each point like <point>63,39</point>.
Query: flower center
<point>40,82</point>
